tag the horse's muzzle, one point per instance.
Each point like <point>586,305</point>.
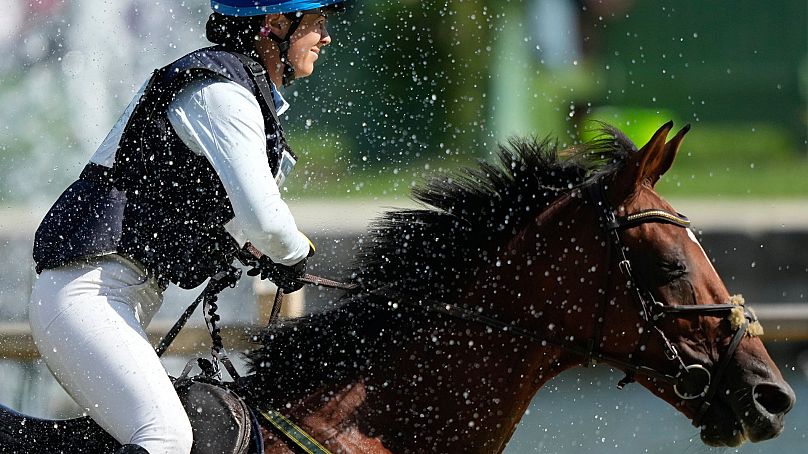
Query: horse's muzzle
<point>771,401</point>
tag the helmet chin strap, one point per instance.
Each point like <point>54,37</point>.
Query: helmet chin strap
<point>285,43</point>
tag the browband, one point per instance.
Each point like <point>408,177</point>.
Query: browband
<point>652,215</point>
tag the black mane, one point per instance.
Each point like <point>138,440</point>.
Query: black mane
<point>428,251</point>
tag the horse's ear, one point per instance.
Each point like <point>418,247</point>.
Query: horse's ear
<point>641,163</point>
<point>666,158</point>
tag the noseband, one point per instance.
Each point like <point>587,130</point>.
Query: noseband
<point>691,381</point>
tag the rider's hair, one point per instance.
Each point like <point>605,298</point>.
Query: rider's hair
<point>237,33</point>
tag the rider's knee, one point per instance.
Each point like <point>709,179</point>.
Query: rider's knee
<point>181,438</point>
<point>174,437</point>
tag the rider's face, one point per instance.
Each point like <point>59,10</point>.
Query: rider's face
<point>306,42</point>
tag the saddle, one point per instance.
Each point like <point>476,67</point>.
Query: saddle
<point>221,421</point>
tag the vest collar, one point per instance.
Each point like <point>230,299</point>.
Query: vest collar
<point>281,105</point>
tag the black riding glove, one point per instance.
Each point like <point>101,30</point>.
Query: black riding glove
<point>285,277</point>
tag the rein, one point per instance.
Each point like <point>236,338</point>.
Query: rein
<point>208,298</point>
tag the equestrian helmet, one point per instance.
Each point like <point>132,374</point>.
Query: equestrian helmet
<point>242,8</point>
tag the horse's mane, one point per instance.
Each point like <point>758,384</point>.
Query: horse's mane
<point>431,251</point>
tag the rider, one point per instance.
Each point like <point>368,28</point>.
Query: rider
<point>190,171</point>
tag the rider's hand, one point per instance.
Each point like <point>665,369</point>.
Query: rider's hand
<point>285,277</point>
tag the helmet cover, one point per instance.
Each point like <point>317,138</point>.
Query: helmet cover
<point>261,7</point>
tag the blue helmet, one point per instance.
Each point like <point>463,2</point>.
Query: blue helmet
<point>261,7</point>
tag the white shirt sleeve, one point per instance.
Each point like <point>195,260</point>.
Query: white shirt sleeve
<point>221,120</point>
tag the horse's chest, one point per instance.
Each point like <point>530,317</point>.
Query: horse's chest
<point>333,418</point>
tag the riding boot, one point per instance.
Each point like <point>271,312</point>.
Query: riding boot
<point>131,449</point>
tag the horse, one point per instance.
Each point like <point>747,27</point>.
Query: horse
<point>507,275</point>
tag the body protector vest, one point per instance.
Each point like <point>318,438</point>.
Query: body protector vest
<point>160,203</point>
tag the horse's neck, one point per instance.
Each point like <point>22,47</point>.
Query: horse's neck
<point>461,386</point>
<point>456,386</point>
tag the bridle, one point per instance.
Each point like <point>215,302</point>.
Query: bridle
<point>691,381</point>
<point>653,311</point>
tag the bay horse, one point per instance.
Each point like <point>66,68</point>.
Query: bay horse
<point>508,275</point>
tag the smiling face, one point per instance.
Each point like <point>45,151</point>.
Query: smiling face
<point>305,44</point>
<point>307,41</point>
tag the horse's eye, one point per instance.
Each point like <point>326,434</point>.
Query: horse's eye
<point>673,270</point>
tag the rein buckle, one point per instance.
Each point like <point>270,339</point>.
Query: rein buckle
<point>670,352</point>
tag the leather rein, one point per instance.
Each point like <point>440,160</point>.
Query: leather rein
<point>652,312</point>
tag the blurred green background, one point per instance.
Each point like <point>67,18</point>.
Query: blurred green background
<point>410,87</point>
<point>425,85</point>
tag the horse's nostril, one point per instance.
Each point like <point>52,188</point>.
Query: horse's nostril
<point>774,398</point>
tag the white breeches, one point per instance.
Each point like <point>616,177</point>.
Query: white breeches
<point>87,320</point>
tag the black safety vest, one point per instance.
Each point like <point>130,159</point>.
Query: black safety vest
<point>160,203</point>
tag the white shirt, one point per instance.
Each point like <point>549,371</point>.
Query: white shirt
<point>222,121</point>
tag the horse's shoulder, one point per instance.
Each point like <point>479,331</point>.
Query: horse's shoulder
<point>334,419</point>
